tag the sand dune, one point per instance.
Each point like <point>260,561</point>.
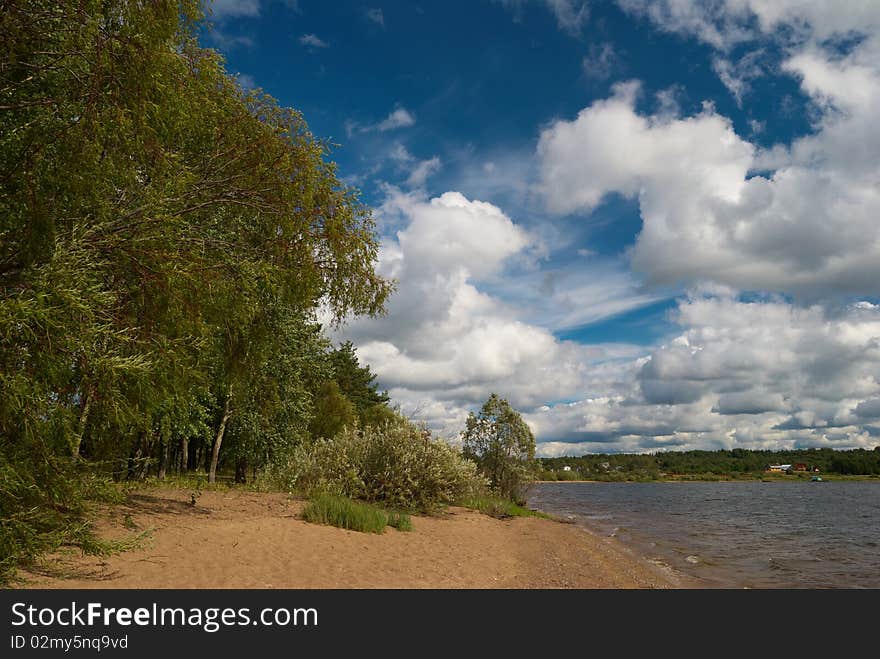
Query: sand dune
<point>238,539</point>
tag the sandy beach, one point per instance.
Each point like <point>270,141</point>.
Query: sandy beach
<point>241,539</point>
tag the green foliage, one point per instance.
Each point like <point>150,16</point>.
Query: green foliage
<point>349,397</point>
<point>334,510</point>
<point>274,401</point>
<point>398,465</point>
<point>332,412</point>
<point>400,521</point>
<point>379,415</point>
<point>356,382</point>
<point>165,240</point>
<point>502,446</point>
<point>42,507</point>
<point>495,506</point>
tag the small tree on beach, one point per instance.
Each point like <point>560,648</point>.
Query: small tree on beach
<point>503,446</point>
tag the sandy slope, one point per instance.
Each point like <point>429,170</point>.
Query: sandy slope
<point>237,539</point>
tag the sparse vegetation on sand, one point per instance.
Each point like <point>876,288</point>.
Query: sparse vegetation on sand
<point>498,507</point>
<point>345,513</point>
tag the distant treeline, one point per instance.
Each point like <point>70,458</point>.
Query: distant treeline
<point>734,462</point>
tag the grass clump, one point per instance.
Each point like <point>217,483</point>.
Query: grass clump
<point>499,508</point>
<point>334,510</point>
<point>400,521</point>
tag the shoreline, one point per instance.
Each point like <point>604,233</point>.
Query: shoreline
<point>826,478</point>
<point>245,539</point>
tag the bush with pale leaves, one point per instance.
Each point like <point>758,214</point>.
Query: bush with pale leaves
<point>399,465</point>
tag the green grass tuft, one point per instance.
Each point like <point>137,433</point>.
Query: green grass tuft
<point>499,507</point>
<point>354,515</point>
<point>400,521</point>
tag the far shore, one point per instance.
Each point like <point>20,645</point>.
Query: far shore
<point>764,479</point>
<point>244,539</point>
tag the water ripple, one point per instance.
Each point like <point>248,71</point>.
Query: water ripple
<point>745,534</point>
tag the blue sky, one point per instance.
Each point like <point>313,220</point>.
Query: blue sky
<point>649,224</point>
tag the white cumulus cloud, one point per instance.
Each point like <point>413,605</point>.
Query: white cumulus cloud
<point>445,344</point>
<point>809,227</point>
<point>796,364</point>
<point>765,374</point>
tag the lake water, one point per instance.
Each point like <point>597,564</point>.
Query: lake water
<point>738,534</point>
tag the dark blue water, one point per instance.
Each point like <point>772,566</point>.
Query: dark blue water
<point>740,534</point>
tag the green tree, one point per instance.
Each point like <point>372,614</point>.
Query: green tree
<point>332,412</point>
<point>503,446</point>
<point>379,415</point>
<point>160,227</point>
<point>276,402</point>
<point>356,382</point>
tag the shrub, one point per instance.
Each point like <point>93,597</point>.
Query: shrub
<point>44,505</point>
<point>398,465</point>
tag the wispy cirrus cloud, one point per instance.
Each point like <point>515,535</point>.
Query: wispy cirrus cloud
<point>375,15</point>
<point>246,81</point>
<point>571,15</point>
<point>601,61</point>
<point>417,171</point>
<point>737,75</point>
<point>233,8</point>
<point>222,9</point>
<point>399,117</point>
<point>312,41</point>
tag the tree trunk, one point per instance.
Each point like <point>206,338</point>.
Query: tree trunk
<point>241,466</point>
<point>163,460</point>
<point>138,461</point>
<point>184,454</point>
<point>218,440</point>
<point>88,397</point>
<point>133,462</point>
